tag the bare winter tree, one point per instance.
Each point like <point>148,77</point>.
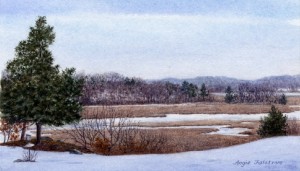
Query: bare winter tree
<point>257,93</point>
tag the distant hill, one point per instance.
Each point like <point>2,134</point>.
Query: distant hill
<point>219,83</point>
<point>281,82</point>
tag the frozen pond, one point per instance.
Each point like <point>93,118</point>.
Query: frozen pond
<point>185,127</point>
<point>289,94</point>
<point>222,129</point>
<point>231,131</point>
<point>293,94</point>
<point>195,117</point>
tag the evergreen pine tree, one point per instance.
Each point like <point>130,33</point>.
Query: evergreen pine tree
<point>189,89</point>
<point>229,97</point>
<point>203,92</point>
<point>282,99</point>
<point>33,89</point>
<point>274,124</point>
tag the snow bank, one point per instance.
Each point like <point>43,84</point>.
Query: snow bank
<point>273,154</point>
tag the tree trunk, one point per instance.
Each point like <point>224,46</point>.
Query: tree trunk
<point>38,133</point>
<point>23,131</point>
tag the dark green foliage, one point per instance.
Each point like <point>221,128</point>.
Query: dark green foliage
<point>203,91</point>
<point>229,97</point>
<point>189,89</point>
<point>129,82</point>
<point>185,86</point>
<point>193,90</point>
<point>33,89</point>
<point>282,99</point>
<point>275,124</point>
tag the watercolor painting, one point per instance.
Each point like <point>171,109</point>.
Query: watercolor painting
<point>150,85</point>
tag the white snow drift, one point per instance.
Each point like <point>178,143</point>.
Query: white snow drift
<point>272,154</point>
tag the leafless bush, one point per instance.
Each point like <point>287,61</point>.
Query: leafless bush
<point>105,125</point>
<point>151,142</point>
<point>142,141</point>
<point>293,127</point>
<point>109,134</point>
<point>29,155</point>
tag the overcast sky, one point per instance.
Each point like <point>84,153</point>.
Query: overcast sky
<point>153,39</point>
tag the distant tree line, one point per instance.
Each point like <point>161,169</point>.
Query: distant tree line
<point>254,93</point>
<point>113,88</point>
<point>219,84</point>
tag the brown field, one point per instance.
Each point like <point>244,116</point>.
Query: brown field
<point>233,124</point>
<point>159,110</point>
<point>293,100</point>
<point>192,140</point>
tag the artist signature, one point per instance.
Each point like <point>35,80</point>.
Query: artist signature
<point>257,162</point>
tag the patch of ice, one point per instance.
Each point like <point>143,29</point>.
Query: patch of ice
<point>293,94</point>
<point>195,117</point>
<point>246,122</point>
<point>185,127</point>
<point>231,131</point>
<point>222,129</point>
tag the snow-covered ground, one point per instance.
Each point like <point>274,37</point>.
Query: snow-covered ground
<point>272,154</point>
<point>195,117</point>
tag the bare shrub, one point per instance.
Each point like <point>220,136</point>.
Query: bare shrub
<point>128,143</point>
<point>143,141</point>
<point>153,142</point>
<point>104,124</point>
<point>29,155</point>
<point>293,127</point>
<point>108,134</point>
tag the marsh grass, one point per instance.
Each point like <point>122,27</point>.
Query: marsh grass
<point>159,110</point>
